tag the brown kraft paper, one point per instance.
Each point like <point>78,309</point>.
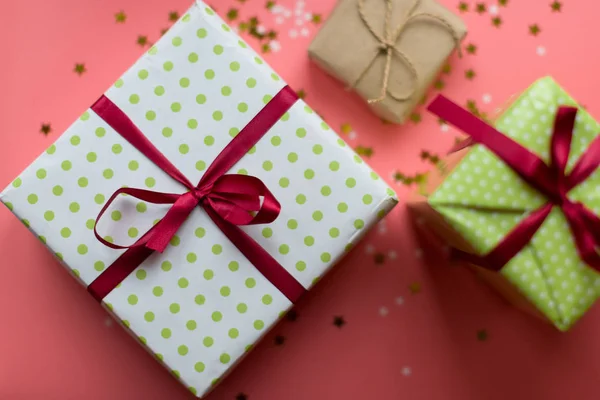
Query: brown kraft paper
<point>345,47</point>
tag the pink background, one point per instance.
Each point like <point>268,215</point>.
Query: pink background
<point>414,329</point>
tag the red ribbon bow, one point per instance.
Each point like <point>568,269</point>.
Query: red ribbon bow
<point>229,199</point>
<point>550,180</point>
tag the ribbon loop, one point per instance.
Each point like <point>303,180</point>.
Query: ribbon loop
<point>551,181</point>
<point>229,200</point>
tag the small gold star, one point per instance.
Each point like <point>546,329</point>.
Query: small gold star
<point>447,69</point>
<point>556,6</point>
<point>482,335</point>
<point>471,48</point>
<point>415,117</point>
<point>80,69</point>
<point>439,84</point>
<point>463,7</point>
<point>301,94</point>
<point>379,258</point>
<point>173,16</point>
<point>272,35</point>
<point>270,4</point>
<point>414,287</point>
<point>480,8</point>
<point>502,3</point>
<point>469,74</point>
<point>497,21</point>
<point>163,31</point>
<point>534,29</point>
<point>120,17</point>
<point>46,129</point>
<point>265,48</point>
<point>316,18</point>
<point>279,340</point>
<point>142,40</point>
<point>346,128</point>
<point>232,14</point>
<point>364,151</point>
<point>339,321</point>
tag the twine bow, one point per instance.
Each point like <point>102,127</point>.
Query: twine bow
<point>387,46</point>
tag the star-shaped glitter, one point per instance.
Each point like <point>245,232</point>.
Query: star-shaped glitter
<point>447,68</point>
<point>301,93</point>
<point>379,258</point>
<point>497,21</point>
<point>270,4</point>
<point>292,315</point>
<point>439,84</point>
<point>469,74</point>
<point>482,335</point>
<point>415,117</point>
<point>415,287</point>
<point>346,128</point>
<point>463,6</point>
<point>503,3</point>
<point>364,151</point>
<point>46,129</point>
<point>556,6</point>
<point>163,31</point>
<point>173,16</point>
<point>279,340</point>
<point>80,69</point>
<point>266,48</point>
<point>232,14</point>
<point>534,29</point>
<point>480,8</point>
<point>241,396</point>
<point>120,17</point>
<point>142,40</point>
<point>339,321</point>
<point>471,48</point>
<point>316,18</point>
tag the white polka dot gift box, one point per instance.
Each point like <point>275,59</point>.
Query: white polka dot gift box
<point>520,205</point>
<point>222,198</point>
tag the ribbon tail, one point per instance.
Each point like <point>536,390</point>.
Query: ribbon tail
<point>260,258</point>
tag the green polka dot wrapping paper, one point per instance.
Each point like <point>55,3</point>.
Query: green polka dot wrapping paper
<point>482,200</point>
<point>200,305</point>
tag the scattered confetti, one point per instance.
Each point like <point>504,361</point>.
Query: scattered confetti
<point>80,69</point>
<point>383,311</point>
<point>493,10</point>
<point>556,6</point>
<point>471,48</point>
<point>241,396</point>
<point>480,8</point>
<point>414,287</point>
<point>463,6</point>
<point>292,315</point>
<point>339,321</point>
<point>142,40</point>
<point>46,129</point>
<point>399,300</point>
<point>392,255</point>
<point>482,335</point>
<point>379,258</point>
<point>469,74</point>
<point>497,21</point>
<point>406,371</point>
<point>279,340</point>
<point>108,322</point>
<point>120,17</point>
<point>486,98</point>
<point>540,50</point>
<point>173,16</point>
<point>534,29</point>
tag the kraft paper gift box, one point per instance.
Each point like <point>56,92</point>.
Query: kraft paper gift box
<point>201,304</point>
<point>477,204</point>
<point>389,51</point>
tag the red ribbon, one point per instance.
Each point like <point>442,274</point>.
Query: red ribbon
<point>550,180</point>
<point>229,200</point>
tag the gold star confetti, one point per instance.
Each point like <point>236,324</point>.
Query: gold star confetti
<point>419,178</point>
<point>497,21</point>
<point>414,288</point>
<point>265,48</point>
<point>232,14</point>
<point>482,335</point>
<point>316,18</point>
<point>447,69</point>
<point>301,94</point>
<point>480,8</point>
<point>270,4</point>
<point>46,129</point>
<point>339,321</point>
<point>279,340</point>
<point>439,84</point>
<point>503,3</point>
<point>471,48</point>
<point>534,29</point>
<point>415,117</point>
<point>142,40</point>
<point>469,74</point>
<point>346,128</point>
<point>272,35</point>
<point>379,258</point>
<point>163,31</point>
<point>364,151</point>
<point>463,7</point>
<point>120,17</point>
<point>80,69</point>
<point>556,6</point>
<point>173,16</point>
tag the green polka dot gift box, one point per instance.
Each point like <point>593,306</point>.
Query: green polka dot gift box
<point>189,274</point>
<point>521,205</point>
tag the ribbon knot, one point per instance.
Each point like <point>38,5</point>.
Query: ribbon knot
<point>230,200</point>
<point>550,180</point>
<point>387,46</point>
